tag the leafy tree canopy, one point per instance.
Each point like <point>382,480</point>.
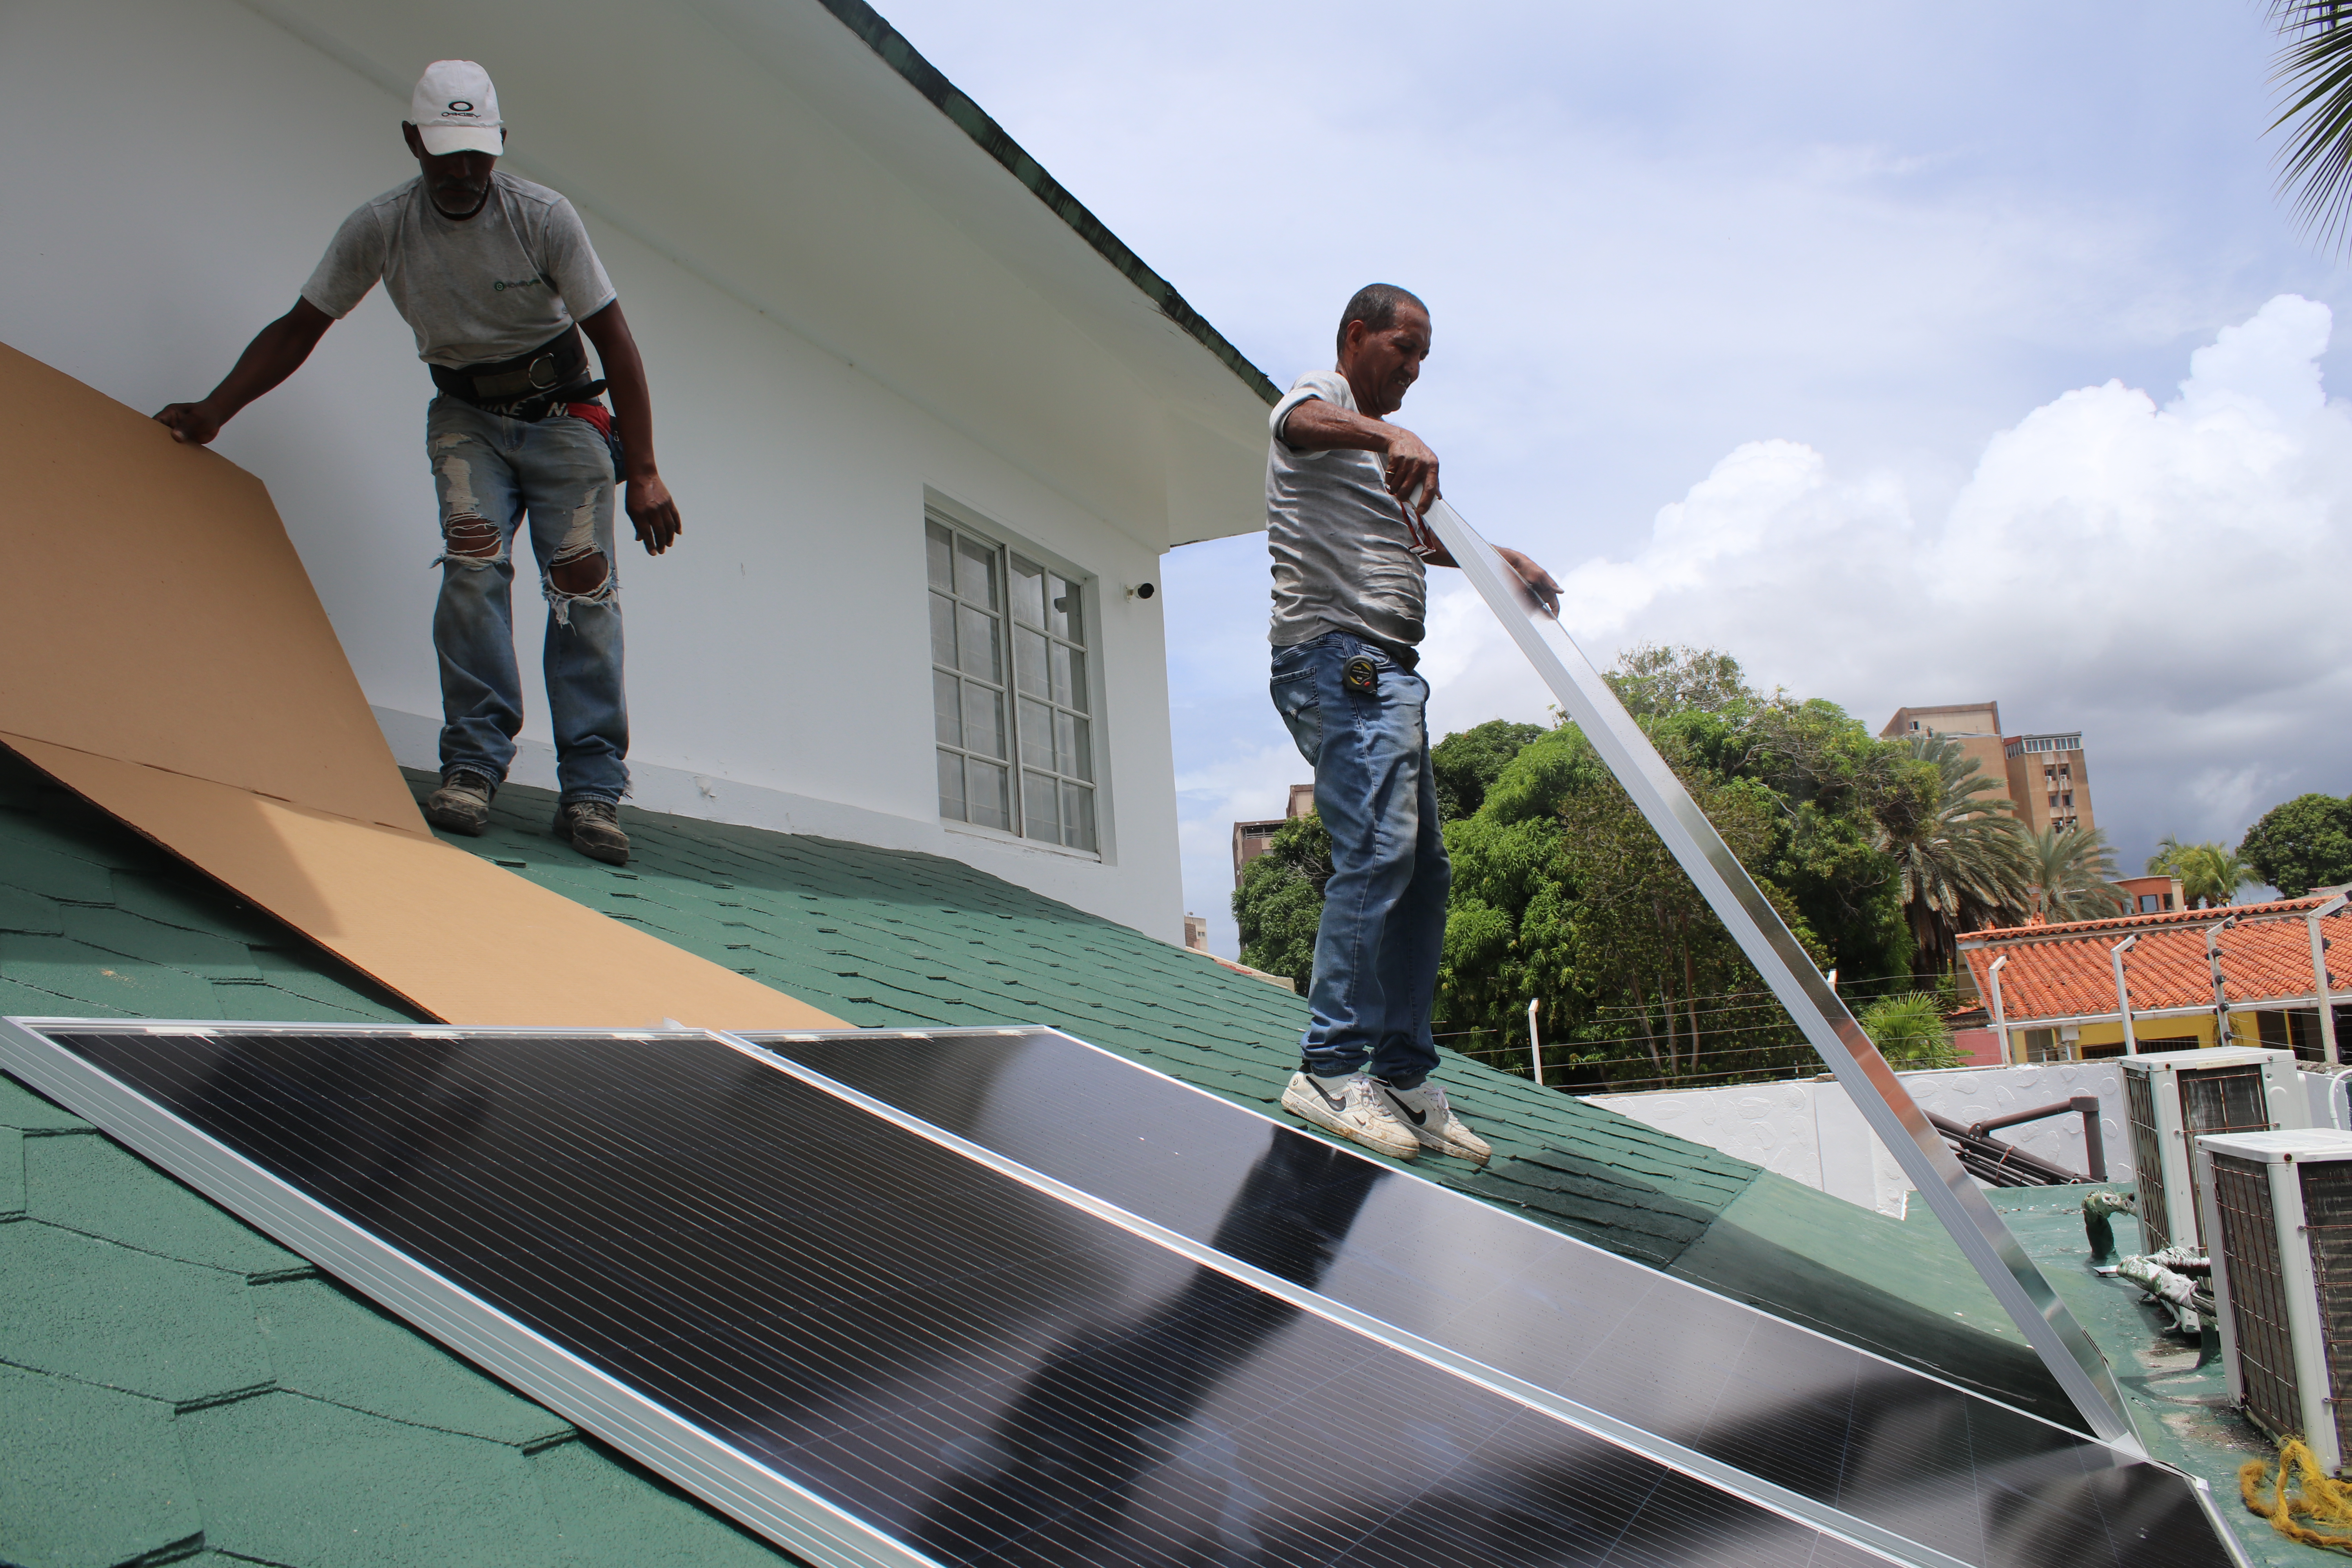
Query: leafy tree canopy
<point>1280,901</point>
<point>1467,763</point>
<point>2302,845</point>
<point>1562,892</point>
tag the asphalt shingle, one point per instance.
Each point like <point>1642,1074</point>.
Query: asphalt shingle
<point>300,1481</point>
<point>328,1343</point>
<point>90,1183</point>
<point>89,1477</point>
<point>78,1308</point>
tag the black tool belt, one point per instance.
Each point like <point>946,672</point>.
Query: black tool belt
<point>529,387</point>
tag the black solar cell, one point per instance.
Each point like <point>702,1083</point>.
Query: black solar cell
<point>1928,1462</point>
<point>922,1358</point>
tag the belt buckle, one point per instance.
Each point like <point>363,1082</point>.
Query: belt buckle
<point>545,362</point>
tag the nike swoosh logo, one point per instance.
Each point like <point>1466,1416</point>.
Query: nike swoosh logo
<point>1418,1118</point>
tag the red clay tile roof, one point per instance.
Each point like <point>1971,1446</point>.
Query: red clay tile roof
<point>2063,971</point>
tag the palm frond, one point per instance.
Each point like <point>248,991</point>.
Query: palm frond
<point>2315,67</point>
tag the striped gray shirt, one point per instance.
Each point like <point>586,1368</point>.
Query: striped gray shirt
<point>1346,558</point>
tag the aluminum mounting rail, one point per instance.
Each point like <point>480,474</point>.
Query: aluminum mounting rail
<point>1984,1239</point>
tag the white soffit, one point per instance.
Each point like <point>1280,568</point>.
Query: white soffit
<point>766,147</point>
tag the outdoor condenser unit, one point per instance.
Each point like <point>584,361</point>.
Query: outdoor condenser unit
<point>2278,1206</point>
<point>2175,1097</point>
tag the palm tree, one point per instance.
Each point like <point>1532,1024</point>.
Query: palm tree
<point>2315,69</point>
<point>1964,864</point>
<point>1910,1031</point>
<point>2072,874</point>
<point>2209,873</point>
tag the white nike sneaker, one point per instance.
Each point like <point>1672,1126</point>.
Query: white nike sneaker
<point>1347,1107</point>
<point>1423,1111</point>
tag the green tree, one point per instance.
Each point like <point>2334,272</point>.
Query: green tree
<point>1963,864</point>
<point>2211,873</point>
<point>1280,901</point>
<point>1910,1030</point>
<point>1467,763</point>
<point>2071,875</point>
<point>1562,892</point>
<point>1651,680</point>
<point>2302,845</point>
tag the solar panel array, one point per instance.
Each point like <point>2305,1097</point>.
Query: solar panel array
<point>933,1319</point>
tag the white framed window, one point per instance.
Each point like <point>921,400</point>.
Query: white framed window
<point>1011,698</point>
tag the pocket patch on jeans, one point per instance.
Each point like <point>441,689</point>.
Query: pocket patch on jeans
<point>1362,674</point>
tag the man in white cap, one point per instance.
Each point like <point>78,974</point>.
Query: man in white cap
<point>495,276</point>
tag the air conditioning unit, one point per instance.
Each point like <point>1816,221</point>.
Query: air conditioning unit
<point>2278,1209</point>
<point>2330,1092</point>
<point>2176,1097</point>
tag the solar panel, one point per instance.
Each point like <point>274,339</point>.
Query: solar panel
<point>1982,1236</point>
<point>1929,1462</point>
<point>859,1340</point>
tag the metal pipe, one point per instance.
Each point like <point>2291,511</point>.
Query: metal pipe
<point>1535,1042</point>
<point>2086,1106</point>
<point>2015,1280</point>
<point>2213,962</point>
<point>1999,1023</point>
<point>2319,989</point>
<point>2123,996</point>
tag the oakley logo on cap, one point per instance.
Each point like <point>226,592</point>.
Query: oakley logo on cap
<point>455,109</point>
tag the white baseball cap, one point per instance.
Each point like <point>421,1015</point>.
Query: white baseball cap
<point>455,109</point>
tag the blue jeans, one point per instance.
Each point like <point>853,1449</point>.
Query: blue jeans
<point>490,472</point>
<point>1383,926</point>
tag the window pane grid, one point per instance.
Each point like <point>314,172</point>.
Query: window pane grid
<point>1010,691</point>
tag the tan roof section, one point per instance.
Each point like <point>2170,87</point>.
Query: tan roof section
<point>2063,971</point>
<point>162,654</point>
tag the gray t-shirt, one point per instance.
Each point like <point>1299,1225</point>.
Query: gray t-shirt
<point>491,287</point>
<point>1345,557</point>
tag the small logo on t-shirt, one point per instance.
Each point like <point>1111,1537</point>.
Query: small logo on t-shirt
<point>503,284</point>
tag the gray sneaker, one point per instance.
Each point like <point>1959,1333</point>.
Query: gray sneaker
<point>593,827</point>
<point>1347,1107</point>
<point>1423,1111</point>
<point>462,803</point>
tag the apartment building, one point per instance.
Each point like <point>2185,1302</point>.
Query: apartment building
<point>2050,781</point>
<point>2046,776</point>
<point>1252,839</point>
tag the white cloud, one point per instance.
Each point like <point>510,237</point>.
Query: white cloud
<point>2169,579</point>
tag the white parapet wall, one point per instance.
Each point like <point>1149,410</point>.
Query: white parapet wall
<point>1809,1131</point>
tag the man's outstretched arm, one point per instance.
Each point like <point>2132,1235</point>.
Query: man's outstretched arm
<point>652,512</point>
<point>276,352</point>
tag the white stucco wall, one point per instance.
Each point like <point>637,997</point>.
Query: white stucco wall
<point>1809,1131</point>
<point>173,169</point>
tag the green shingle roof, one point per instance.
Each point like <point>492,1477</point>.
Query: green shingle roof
<point>178,1386</point>
<point>895,939</point>
<point>173,1384</point>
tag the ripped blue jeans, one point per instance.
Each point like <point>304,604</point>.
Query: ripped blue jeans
<point>1384,925</point>
<point>490,473</point>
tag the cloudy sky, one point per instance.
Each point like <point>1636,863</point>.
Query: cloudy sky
<point>1911,354</point>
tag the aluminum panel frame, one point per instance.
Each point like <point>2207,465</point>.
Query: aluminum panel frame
<point>1983,1237</point>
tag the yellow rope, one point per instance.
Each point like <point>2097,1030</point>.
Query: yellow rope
<point>2311,1494</point>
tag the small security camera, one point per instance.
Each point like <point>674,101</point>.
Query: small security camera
<point>1142,591</point>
